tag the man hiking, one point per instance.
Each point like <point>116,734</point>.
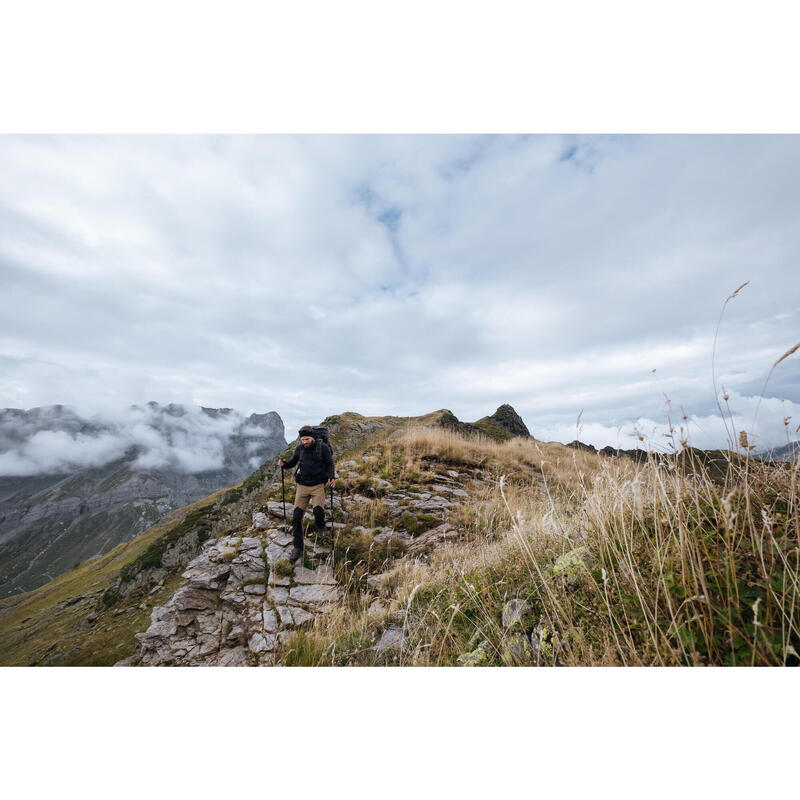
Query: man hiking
<point>316,468</point>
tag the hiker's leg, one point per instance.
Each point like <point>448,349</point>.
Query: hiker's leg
<point>318,500</point>
<point>301,497</point>
<point>297,527</point>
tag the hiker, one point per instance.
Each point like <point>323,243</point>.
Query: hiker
<point>316,468</point>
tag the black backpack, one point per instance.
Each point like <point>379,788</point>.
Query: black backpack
<point>321,435</point>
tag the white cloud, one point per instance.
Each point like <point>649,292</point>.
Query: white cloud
<point>313,275</point>
<point>186,440</point>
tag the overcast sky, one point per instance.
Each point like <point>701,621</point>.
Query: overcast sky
<point>399,275</point>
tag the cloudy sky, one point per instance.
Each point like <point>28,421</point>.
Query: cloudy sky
<point>399,275</point>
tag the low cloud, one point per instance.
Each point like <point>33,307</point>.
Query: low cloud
<point>769,423</point>
<point>182,439</point>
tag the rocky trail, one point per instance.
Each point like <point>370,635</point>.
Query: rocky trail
<point>242,600</point>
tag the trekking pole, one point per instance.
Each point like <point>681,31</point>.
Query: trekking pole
<point>333,533</point>
<point>283,497</point>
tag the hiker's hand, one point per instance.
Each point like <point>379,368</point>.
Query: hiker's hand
<point>281,462</point>
<point>332,483</point>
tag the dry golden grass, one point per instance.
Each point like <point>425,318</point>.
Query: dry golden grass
<point>623,563</point>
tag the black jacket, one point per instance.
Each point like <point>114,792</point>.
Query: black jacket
<point>316,463</point>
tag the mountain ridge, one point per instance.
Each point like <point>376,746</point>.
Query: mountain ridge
<point>156,459</point>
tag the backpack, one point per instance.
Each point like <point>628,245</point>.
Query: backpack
<point>320,435</point>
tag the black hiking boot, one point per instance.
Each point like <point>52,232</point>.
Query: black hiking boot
<point>322,537</point>
<point>297,552</point>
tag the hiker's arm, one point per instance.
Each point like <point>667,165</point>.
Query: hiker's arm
<point>294,459</point>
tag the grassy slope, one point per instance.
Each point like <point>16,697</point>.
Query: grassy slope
<point>618,562</point>
<point>38,627</point>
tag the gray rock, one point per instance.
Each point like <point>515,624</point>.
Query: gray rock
<point>271,623</point>
<point>316,594</point>
<point>260,643</point>
<point>277,594</point>
<point>516,612</point>
<point>433,537</point>
<point>276,509</point>
<point>234,657</point>
<point>399,539</point>
<point>260,520</point>
<point>377,609</point>
<point>255,588</point>
<point>391,639</point>
<point>300,616</point>
<point>517,650</point>
<point>449,490</point>
<point>322,574</point>
<point>161,630</point>
<point>276,553</point>
<point>191,597</point>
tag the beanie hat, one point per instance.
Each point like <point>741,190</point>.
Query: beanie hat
<point>306,430</point>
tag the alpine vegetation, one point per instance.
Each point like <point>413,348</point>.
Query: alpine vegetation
<point>446,544</point>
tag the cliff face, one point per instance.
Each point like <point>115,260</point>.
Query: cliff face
<point>159,459</point>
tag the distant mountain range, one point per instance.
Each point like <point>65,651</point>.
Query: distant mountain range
<point>72,488</point>
<point>789,452</point>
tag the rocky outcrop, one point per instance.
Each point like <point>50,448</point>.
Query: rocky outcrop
<point>504,424</point>
<point>240,603</point>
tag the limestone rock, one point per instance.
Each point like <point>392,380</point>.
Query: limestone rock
<point>394,538</point>
<point>270,619</point>
<point>260,643</point>
<point>433,537</point>
<point>315,594</point>
<point>234,657</point>
<point>322,574</point>
<point>391,639</point>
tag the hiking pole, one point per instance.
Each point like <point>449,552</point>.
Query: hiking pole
<point>283,497</point>
<point>333,533</point>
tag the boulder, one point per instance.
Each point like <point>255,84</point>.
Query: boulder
<point>391,639</point>
<point>260,520</point>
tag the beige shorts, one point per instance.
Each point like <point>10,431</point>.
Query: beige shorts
<point>306,493</point>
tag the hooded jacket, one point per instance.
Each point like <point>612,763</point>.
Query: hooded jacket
<point>316,463</point>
